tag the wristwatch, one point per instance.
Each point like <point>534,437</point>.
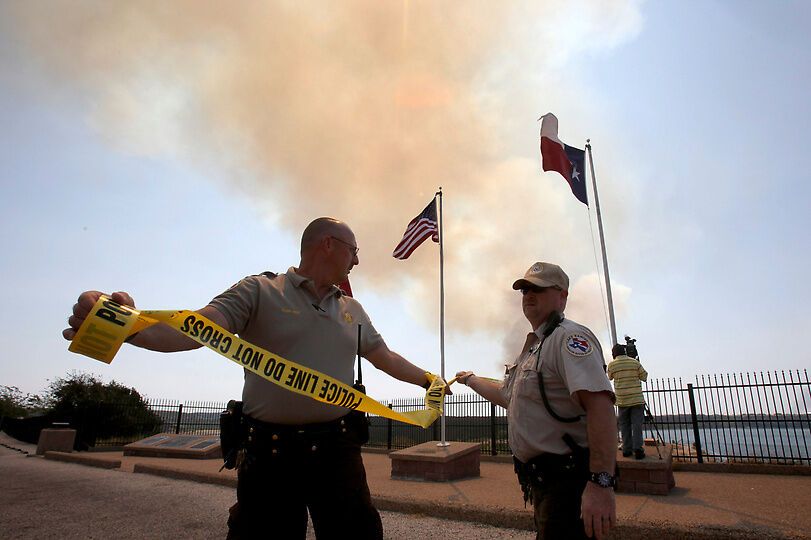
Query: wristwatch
<point>603,479</point>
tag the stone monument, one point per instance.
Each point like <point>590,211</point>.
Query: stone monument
<point>434,462</point>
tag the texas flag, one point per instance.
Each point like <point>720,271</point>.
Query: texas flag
<point>567,160</point>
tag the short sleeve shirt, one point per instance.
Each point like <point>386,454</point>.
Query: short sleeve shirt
<point>282,314</point>
<point>627,373</point>
<point>570,360</point>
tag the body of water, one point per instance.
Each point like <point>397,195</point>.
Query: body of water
<point>783,444</point>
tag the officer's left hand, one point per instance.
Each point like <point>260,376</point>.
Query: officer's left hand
<point>599,510</point>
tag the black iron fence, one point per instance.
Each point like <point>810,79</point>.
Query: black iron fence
<point>100,427</point>
<point>751,417</point>
<point>468,418</point>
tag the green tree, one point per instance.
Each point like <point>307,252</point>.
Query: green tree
<point>100,410</point>
<point>15,404</point>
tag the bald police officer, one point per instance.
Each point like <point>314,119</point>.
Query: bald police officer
<point>298,454</point>
<point>561,416</point>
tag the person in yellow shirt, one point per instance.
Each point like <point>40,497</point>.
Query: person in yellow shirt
<point>627,374</point>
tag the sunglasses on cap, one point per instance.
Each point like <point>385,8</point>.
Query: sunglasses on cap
<point>535,289</point>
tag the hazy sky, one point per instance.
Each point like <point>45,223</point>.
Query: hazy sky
<point>169,149</point>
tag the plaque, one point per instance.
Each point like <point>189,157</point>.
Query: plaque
<point>172,445</point>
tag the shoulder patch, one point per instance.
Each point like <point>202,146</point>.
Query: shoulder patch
<point>578,345</point>
<point>348,317</point>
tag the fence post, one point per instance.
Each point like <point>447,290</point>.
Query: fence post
<point>388,430</point>
<point>492,429</point>
<point>94,424</point>
<point>694,419</point>
<point>179,416</point>
<point>88,432</point>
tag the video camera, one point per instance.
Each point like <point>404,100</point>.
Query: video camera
<point>630,347</point>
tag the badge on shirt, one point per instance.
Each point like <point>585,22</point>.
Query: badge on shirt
<point>578,345</point>
<point>347,317</point>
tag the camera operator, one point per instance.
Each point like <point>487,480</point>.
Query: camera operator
<point>627,374</point>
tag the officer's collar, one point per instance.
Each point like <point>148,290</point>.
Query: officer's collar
<point>545,325</point>
<point>298,280</point>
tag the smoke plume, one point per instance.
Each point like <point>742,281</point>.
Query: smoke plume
<point>358,110</point>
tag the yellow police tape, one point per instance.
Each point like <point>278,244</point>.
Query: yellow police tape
<point>109,324</point>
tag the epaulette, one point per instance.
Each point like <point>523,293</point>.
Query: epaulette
<point>268,274</point>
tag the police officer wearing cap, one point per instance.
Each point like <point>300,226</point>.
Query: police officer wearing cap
<point>561,415</point>
<point>298,455</point>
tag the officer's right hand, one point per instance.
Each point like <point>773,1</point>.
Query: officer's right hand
<point>463,376</point>
<point>83,306</point>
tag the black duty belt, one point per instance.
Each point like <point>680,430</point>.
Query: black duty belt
<point>546,468</point>
<point>555,462</point>
<point>262,429</point>
<point>280,439</point>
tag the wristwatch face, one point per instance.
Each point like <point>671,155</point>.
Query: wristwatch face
<point>602,479</point>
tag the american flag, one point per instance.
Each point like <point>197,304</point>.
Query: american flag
<point>420,228</point>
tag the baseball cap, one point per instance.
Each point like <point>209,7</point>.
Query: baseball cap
<point>542,274</point>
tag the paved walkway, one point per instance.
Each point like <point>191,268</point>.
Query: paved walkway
<point>46,499</point>
<point>703,505</point>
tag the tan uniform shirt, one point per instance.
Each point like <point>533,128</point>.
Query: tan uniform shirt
<point>570,360</point>
<point>282,315</point>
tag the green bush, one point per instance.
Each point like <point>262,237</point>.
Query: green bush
<point>99,410</point>
<point>15,404</point>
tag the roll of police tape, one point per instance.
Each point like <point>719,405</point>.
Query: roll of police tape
<point>109,324</point>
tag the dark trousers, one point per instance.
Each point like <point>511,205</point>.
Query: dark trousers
<point>557,510</point>
<point>630,420</point>
<point>319,470</point>
<point>554,484</point>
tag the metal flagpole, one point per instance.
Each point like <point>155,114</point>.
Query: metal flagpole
<point>613,328</point>
<point>443,442</point>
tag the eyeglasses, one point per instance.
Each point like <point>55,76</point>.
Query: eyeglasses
<point>354,249</point>
<point>535,289</point>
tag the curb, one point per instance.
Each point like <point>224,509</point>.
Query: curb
<point>488,515</point>
<point>670,531</point>
<point>503,517</point>
<point>20,450</point>
<point>82,460</point>
<point>168,472</point>
<point>744,468</point>
<point>512,519</point>
<point>493,516</point>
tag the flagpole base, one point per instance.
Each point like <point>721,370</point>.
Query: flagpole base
<point>433,462</point>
